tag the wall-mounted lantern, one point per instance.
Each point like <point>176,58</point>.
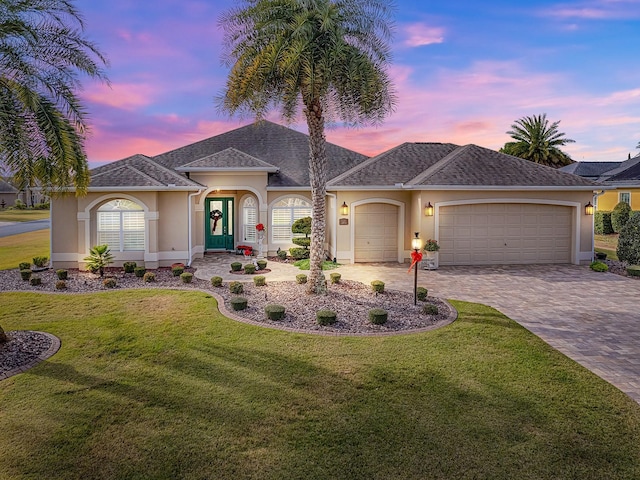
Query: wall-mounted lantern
<point>344,209</point>
<point>428,210</point>
<point>588,209</point>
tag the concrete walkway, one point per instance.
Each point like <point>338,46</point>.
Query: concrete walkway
<point>593,318</point>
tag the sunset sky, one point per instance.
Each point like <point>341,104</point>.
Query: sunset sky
<point>464,71</point>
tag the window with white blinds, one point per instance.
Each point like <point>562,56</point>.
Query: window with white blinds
<point>284,213</point>
<point>249,219</point>
<point>120,224</point>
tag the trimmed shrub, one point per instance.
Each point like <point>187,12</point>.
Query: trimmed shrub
<point>24,266</point>
<point>40,262</point>
<point>129,267</point>
<point>25,274</point>
<point>149,277</point>
<point>236,288</point>
<point>139,271</point>
<point>299,253</point>
<point>236,266</point>
<point>177,271</point>
<point>633,270</point>
<point>301,278</point>
<point>259,281</point>
<point>274,311</point>
<point>620,216</point>
<point>326,317</point>
<point>249,268</point>
<point>216,281</point>
<point>186,277</point>
<point>109,283</point>
<point>602,223</point>
<point>62,274</point>
<point>422,293</point>
<point>335,277</point>
<point>377,286</point>
<point>61,285</point>
<point>629,241</point>
<point>599,266</point>
<point>304,242</point>
<point>282,254</point>
<point>238,303</point>
<point>35,281</point>
<point>378,316</point>
<point>262,264</point>
<point>430,309</point>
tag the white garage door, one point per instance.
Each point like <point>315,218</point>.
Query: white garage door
<point>490,234</point>
<point>376,233</point>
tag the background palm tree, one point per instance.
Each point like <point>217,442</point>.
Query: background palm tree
<point>328,57</point>
<point>538,141</point>
<point>42,122</point>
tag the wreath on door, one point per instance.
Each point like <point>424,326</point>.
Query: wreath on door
<point>215,215</point>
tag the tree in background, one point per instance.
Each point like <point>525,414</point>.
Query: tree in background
<point>327,57</point>
<point>537,141</point>
<point>43,52</point>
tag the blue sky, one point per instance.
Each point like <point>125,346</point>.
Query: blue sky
<point>463,70</point>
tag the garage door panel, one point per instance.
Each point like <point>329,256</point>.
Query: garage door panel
<point>376,233</point>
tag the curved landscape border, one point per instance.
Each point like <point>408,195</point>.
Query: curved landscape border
<point>48,353</point>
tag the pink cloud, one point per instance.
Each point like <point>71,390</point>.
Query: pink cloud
<point>596,10</point>
<point>419,34</point>
<point>126,96</point>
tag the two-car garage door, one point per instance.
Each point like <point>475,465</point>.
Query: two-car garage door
<point>501,233</point>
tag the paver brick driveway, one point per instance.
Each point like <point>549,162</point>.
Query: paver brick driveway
<point>594,318</point>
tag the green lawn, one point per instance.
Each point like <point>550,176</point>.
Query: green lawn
<point>607,244</point>
<point>158,385</point>
<point>23,247</point>
<point>23,215</point>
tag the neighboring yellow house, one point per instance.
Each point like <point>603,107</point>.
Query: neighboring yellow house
<point>483,207</point>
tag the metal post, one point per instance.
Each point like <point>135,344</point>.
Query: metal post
<point>415,284</point>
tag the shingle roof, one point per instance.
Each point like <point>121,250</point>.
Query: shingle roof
<point>227,159</point>
<point>6,187</point>
<point>612,173</point>
<point>590,169</point>
<point>437,164</point>
<point>630,174</point>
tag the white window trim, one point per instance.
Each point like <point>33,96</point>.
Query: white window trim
<point>272,207</point>
<point>121,230</point>
<point>624,193</point>
<point>244,226</point>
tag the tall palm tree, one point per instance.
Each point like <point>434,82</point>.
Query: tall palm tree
<point>43,52</point>
<point>329,57</point>
<point>535,140</point>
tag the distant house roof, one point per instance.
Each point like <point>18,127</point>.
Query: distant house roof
<point>436,165</point>
<point>6,187</point>
<point>591,170</point>
<point>609,173</point>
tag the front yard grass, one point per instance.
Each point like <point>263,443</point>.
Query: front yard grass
<point>23,247</point>
<point>158,384</point>
<point>607,244</point>
<point>23,215</point>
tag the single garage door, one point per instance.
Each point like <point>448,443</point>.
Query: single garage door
<point>497,233</point>
<point>376,233</point>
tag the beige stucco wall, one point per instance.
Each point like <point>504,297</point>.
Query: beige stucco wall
<point>610,198</point>
<point>64,233</point>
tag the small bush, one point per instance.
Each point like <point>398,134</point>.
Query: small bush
<point>19,204</point>
<point>149,277</point>
<point>335,277</point>
<point>139,271</point>
<point>301,278</point>
<point>599,266</point>
<point>129,267</point>
<point>236,288</point>
<point>602,223</point>
<point>377,286</point>
<point>35,281</point>
<point>326,317</point>
<point>24,266</point>
<point>262,264</point>
<point>216,281</point>
<point>633,270</point>
<point>25,274</point>
<point>620,216</point>
<point>274,312</point>
<point>629,241</point>
<point>41,206</point>
<point>378,316</point>
<point>422,294</point>
<point>299,253</point>
<point>236,266</point>
<point>177,271</point>
<point>259,281</point>
<point>62,274</point>
<point>61,285</point>
<point>282,254</point>
<point>304,242</point>
<point>238,303</point>
<point>250,268</point>
<point>40,261</point>
<point>430,309</point>
<point>186,277</point>
<point>109,283</point>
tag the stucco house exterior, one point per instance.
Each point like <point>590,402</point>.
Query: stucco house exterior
<point>482,206</point>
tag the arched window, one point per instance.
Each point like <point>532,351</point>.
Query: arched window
<point>120,224</point>
<point>284,213</point>
<point>249,219</point>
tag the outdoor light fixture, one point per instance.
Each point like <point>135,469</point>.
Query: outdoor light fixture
<point>344,209</point>
<point>588,209</point>
<point>416,257</point>
<point>428,210</point>
<point>416,243</point>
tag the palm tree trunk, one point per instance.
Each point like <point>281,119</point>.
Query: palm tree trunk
<point>318,178</point>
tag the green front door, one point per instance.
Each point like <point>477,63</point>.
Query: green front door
<point>219,224</point>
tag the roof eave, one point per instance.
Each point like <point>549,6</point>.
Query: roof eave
<point>227,169</point>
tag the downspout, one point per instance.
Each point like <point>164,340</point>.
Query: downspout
<point>593,224</point>
<point>190,225</point>
<point>334,230</point>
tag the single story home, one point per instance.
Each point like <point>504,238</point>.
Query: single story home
<point>624,177</point>
<point>483,207</point>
